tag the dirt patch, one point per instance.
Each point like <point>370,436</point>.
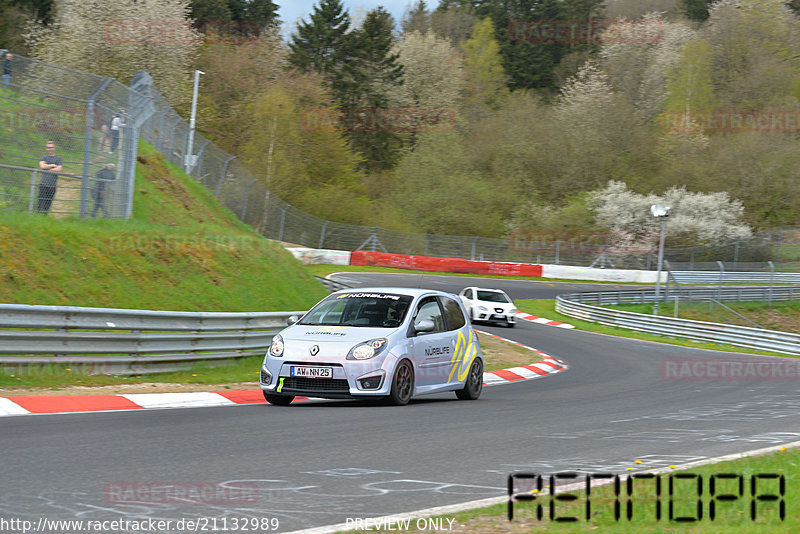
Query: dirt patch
<point>501,354</point>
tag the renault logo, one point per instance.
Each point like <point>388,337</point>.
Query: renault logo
<point>314,350</point>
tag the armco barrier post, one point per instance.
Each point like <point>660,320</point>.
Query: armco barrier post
<point>771,283</point>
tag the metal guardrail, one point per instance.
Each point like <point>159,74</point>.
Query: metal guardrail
<point>716,277</point>
<point>117,341</point>
<point>575,305</point>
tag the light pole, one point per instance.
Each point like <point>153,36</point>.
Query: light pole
<point>660,211</point>
<point>188,160</point>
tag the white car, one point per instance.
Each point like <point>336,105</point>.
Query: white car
<point>489,305</point>
<point>390,343</point>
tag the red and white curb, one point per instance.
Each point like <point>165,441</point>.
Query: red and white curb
<point>54,404</point>
<point>542,320</point>
<point>549,366</point>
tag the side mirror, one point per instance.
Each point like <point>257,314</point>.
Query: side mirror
<point>426,325</point>
<point>292,320</point>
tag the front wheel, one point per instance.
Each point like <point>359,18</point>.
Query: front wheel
<point>474,384</point>
<point>402,384</point>
<point>509,324</point>
<point>278,400</point>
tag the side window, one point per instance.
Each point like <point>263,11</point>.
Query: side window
<point>455,319</point>
<point>429,309</point>
<point>471,294</point>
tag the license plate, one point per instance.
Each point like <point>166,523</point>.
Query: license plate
<point>498,316</point>
<point>312,372</point>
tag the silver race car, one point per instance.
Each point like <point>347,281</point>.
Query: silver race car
<point>390,343</point>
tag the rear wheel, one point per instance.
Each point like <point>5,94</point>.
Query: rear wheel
<point>402,384</point>
<point>474,384</point>
<point>278,400</point>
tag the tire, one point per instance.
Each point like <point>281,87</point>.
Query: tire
<point>510,325</point>
<point>402,384</point>
<point>474,385</point>
<point>278,400</point>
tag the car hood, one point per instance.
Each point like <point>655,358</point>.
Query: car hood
<point>333,342</point>
<point>334,334</point>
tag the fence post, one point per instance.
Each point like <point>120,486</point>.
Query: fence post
<point>222,176</point>
<point>33,191</point>
<point>474,243</point>
<point>283,220</point>
<point>780,242</point>
<point>87,146</point>
<point>558,250</point>
<point>691,261</point>
<point>322,234</point>
<point>246,194</point>
<point>771,283</point>
<point>735,254</point>
<point>427,237</point>
<point>198,175</point>
<point>721,279</point>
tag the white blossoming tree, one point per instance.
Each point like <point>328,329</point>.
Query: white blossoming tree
<point>695,217</point>
<point>120,38</point>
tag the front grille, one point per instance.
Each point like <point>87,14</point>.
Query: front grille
<point>315,384</point>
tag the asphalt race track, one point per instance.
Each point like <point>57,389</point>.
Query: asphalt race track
<point>319,463</point>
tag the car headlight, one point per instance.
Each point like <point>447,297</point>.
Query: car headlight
<point>483,308</point>
<point>512,311</point>
<point>368,349</point>
<point>276,349</point>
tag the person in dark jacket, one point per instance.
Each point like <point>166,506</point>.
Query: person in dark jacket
<point>49,181</point>
<point>100,189</point>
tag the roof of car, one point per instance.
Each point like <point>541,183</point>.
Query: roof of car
<point>410,291</point>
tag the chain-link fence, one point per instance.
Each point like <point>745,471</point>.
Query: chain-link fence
<point>75,111</point>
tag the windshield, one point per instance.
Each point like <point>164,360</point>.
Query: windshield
<point>493,296</point>
<point>381,310</point>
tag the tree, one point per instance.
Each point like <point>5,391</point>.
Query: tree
<point>439,169</point>
<point>703,217</point>
<point>690,85</point>
<point>453,22</point>
<point>416,18</point>
<point>235,76</point>
<point>262,13</point>
<point>485,80</point>
<point>432,78</point>
<point>119,39</point>
<point>310,163</point>
<point>319,45</point>
<point>367,78</point>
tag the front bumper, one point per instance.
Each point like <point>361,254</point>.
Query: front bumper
<point>493,317</point>
<point>351,379</point>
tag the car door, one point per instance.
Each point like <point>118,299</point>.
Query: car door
<point>432,350</point>
<point>460,337</point>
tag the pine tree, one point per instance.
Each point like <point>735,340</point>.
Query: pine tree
<point>417,18</point>
<point>320,44</point>
<point>262,13</point>
<point>370,73</point>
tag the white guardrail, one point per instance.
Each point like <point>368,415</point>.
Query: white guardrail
<point>586,306</point>
<point>117,341</point>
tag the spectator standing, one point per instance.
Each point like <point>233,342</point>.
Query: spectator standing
<point>49,181</point>
<point>116,124</point>
<point>7,70</point>
<point>100,189</point>
<point>105,139</point>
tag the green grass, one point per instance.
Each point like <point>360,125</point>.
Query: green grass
<point>546,308</point>
<point>181,250</point>
<point>730,516</point>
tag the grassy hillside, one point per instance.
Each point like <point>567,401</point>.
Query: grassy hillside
<point>180,251</point>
